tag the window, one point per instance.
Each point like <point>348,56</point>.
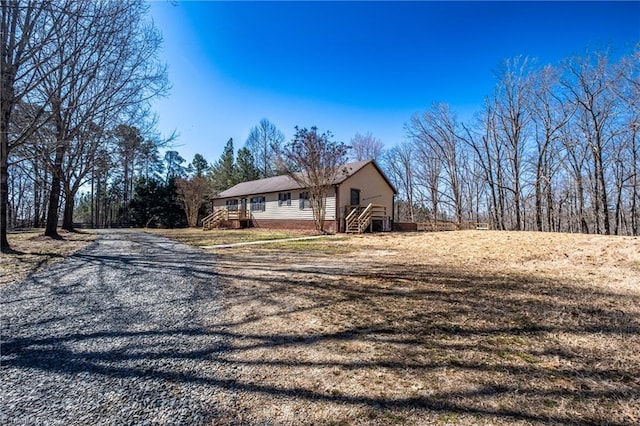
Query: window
<point>355,197</point>
<point>232,205</point>
<point>257,204</point>
<point>303,201</point>
<point>284,198</point>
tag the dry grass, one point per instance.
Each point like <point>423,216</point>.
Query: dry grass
<point>33,252</point>
<point>198,237</point>
<point>450,328</point>
<point>425,328</point>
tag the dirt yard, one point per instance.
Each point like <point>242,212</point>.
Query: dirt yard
<point>32,252</point>
<point>469,327</point>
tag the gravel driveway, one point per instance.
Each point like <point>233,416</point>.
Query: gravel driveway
<point>121,333</point>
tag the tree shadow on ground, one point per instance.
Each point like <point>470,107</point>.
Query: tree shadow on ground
<point>534,349</point>
<point>486,347</point>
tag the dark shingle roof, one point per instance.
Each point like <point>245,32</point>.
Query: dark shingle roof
<point>284,182</point>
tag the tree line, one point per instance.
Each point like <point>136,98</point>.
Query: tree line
<point>77,81</point>
<point>555,148</point>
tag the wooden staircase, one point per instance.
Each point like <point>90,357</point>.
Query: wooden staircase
<point>214,219</point>
<point>225,216</point>
<point>359,218</point>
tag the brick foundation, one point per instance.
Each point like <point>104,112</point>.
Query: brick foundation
<point>306,225</point>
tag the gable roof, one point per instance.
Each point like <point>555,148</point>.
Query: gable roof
<point>286,183</point>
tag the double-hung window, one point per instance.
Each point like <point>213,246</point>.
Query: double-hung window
<point>257,204</point>
<point>284,199</point>
<point>303,201</point>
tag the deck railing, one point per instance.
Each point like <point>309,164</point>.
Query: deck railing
<point>359,218</point>
<point>223,214</point>
<point>214,219</point>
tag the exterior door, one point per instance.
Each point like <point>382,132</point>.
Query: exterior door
<point>355,197</point>
<point>243,207</point>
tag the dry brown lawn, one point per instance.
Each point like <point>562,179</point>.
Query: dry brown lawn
<point>469,327</point>
<point>198,237</point>
<point>32,252</point>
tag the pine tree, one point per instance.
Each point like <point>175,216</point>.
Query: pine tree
<point>246,167</point>
<point>223,173</point>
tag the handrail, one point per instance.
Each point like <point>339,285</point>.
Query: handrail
<point>366,211</point>
<point>215,218</point>
<point>351,218</point>
<point>223,214</point>
<point>364,219</point>
<point>359,218</point>
<point>209,216</point>
<point>352,213</point>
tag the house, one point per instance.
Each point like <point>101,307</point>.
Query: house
<point>361,198</point>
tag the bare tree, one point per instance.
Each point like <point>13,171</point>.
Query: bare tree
<point>436,135</point>
<point>27,32</point>
<point>511,102</point>
<point>589,82</point>
<point>634,175</point>
<point>365,147</point>
<point>575,163</point>
<point>77,165</point>
<point>629,93</point>
<point>489,155</point>
<point>554,149</point>
<point>428,175</point>
<point>192,193</point>
<point>313,161</point>
<point>399,164</point>
<point>551,113</point>
<point>32,153</point>
<point>110,71</point>
<point>265,142</point>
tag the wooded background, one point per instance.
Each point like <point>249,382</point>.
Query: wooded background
<point>555,147</point>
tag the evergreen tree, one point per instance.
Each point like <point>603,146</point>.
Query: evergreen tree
<point>174,165</point>
<point>199,165</point>
<point>223,173</point>
<point>154,204</point>
<point>245,166</point>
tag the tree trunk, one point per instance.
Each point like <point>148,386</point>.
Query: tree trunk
<point>51,229</point>
<point>584,228</point>
<point>550,222</point>
<point>96,210</point>
<point>36,195</point>
<point>516,195</point>
<point>4,196</point>
<point>4,174</point>
<point>539,197</point>
<point>501,203</point>
<point>318,205</point>
<point>69,204</point>
<point>92,199</point>
<point>603,198</point>
<point>634,194</point>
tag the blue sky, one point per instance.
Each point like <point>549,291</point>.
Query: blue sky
<point>354,67</point>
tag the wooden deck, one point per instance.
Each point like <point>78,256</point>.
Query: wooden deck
<point>235,218</point>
